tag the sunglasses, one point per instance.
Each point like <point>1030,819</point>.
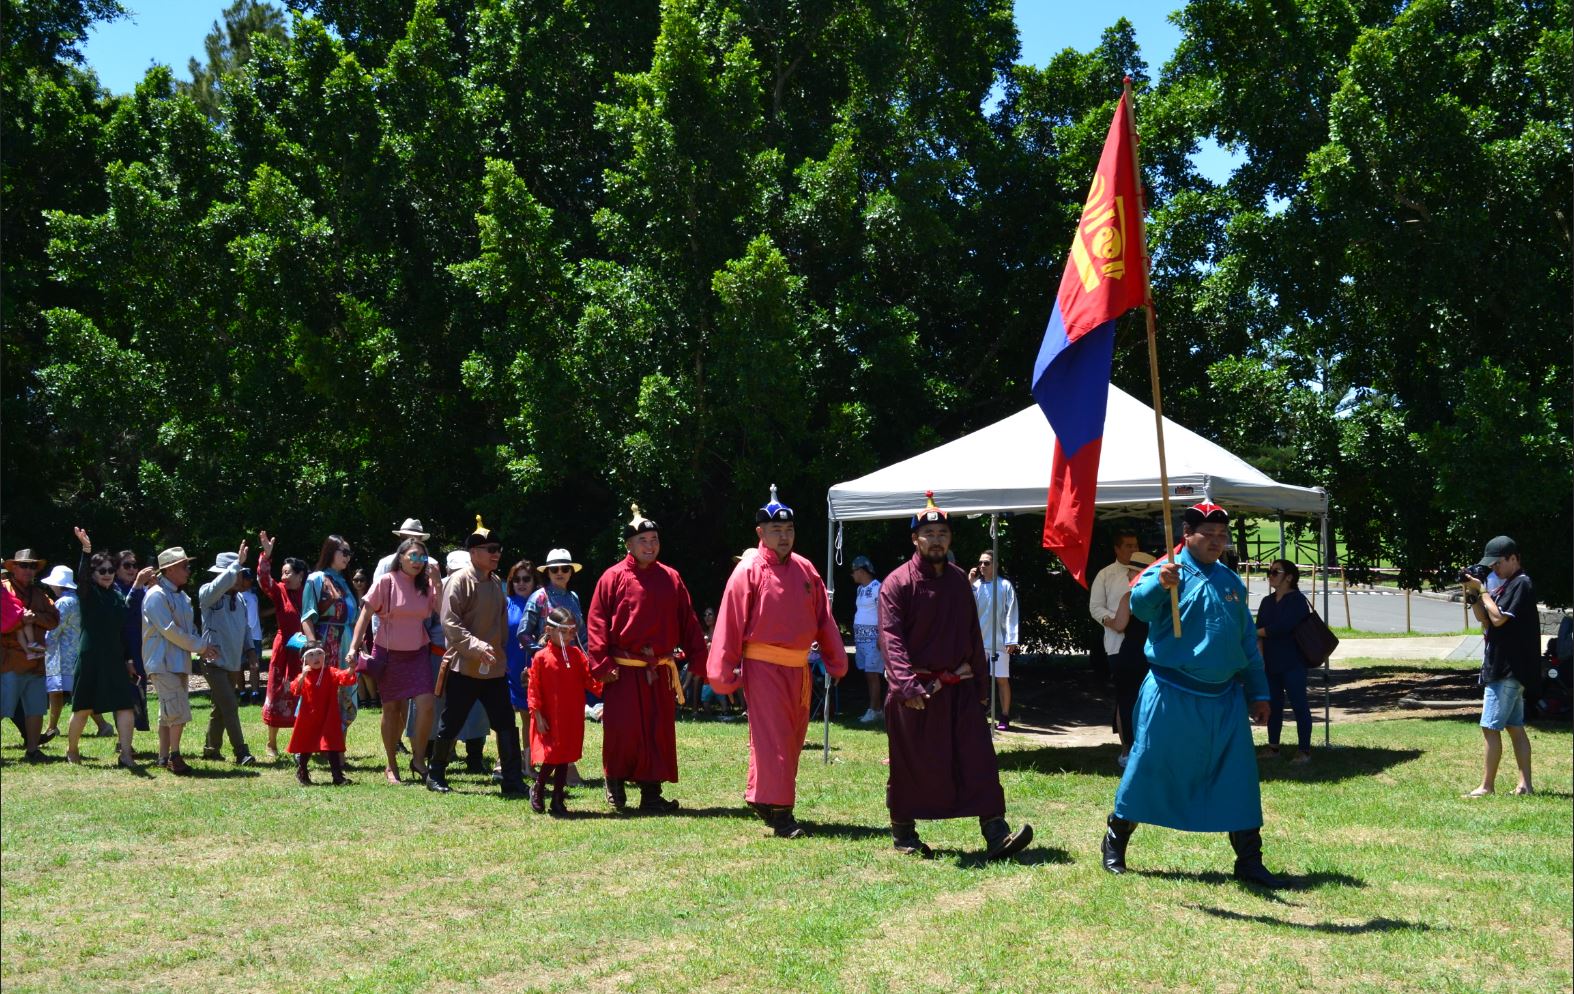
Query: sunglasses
<point>345,552</point>
<point>522,578</point>
<point>491,547</point>
<point>560,569</point>
<point>104,571</point>
<point>419,558</point>
<point>128,565</point>
<point>1276,572</point>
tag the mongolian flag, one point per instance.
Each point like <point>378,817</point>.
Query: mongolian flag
<point>1105,277</point>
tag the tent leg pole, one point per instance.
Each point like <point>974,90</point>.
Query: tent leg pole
<point>1328,683</point>
<point>994,618</point>
<point>830,595</point>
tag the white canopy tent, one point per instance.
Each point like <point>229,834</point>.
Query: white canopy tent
<point>1005,467</point>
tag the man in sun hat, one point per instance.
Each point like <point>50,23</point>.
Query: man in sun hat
<point>942,760</point>
<point>773,609</point>
<point>226,627</point>
<point>21,670</point>
<point>1511,627</point>
<point>640,614</point>
<point>1192,766</point>
<point>169,638</point>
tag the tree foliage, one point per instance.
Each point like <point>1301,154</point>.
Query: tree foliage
<point>536,260</point>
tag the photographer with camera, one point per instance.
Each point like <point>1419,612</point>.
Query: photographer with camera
<point>1507,612</point>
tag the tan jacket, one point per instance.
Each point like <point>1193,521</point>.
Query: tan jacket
<point>14,658</point>
<point>475,616</point>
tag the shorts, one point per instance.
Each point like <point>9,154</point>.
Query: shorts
<point>866,640</point>
<point>25,687</point>
<point>174,702</point>
<point>1503,705</point>
<point>1000,666</point>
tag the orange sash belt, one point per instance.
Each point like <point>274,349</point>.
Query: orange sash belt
<point>665,662</point>
<point>797,659</point>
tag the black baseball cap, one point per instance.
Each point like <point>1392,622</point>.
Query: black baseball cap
<point>1499,548</point>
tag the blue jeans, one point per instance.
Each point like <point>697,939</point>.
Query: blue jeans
<point>1290,682</point>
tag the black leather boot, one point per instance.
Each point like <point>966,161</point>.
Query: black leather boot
<point>513,772</point>
<point>437,768</point>
<point>1248,860</point>
<point>904,838</point>
<point>651,801</point>
<point>1116,836</point>
<point>538,792</point>
<point>617,794</point>
<point>475,756</point>
<point>1000,841</point>
<point>301,772</point>
<point>785,826</point>
<point>336,764</point>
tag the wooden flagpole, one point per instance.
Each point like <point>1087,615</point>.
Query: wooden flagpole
<point>1153,347</point>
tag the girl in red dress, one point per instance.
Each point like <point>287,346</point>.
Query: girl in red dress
<point>317,725</point>
<point>559,677</point>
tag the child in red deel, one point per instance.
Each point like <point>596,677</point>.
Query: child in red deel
<point>318,727</point>
<point>559,677</point>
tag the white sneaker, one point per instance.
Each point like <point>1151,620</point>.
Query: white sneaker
<point>1122,760</point>
<point>870,715</point>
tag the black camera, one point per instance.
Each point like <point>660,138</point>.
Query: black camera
<point>1476,572</point>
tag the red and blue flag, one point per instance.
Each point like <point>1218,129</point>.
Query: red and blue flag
<point>1105,277</point>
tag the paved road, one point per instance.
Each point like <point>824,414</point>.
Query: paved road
<point>1381,612</point>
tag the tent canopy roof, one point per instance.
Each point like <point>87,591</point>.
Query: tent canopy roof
<point>1005,468</point>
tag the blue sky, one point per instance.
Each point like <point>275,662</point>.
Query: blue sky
<point>171,32</point>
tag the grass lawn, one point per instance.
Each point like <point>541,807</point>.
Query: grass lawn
<point>240,880</point>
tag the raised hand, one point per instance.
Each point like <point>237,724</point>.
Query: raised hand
<point>81,533</point>
<point>265,543</point>
<point>242,552</point>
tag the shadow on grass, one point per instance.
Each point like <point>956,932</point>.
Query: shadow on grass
<point>1330,928</point>
<point>230,773</point>
<point>1550,726</point>
<point>1346,763</point>
<point>1216,878</point>
<point>1031,856</point>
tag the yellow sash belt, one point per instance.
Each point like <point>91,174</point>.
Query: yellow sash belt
<point>665,662</point>
<point>797,659</point>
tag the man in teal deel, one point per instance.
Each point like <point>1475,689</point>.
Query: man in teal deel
<point>1192,764</point>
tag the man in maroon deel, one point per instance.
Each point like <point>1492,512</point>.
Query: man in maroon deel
<point>638,615</point>
<point>942,761</point>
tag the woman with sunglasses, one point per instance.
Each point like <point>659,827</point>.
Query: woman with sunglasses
<point>328,611</point>
<point>105,683</point>
<point>520,586</point>
<point>1277,615</point>
<point>401,600</point>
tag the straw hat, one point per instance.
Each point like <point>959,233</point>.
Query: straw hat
<point>559,557</point>
<point>412,528</point>
<point>172,556</point>
<point>25,557</point>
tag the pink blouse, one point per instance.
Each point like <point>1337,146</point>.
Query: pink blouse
<point>401,610</point>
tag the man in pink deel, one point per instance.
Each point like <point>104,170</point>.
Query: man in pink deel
<point>774,608</point>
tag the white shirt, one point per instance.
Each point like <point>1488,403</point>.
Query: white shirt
<point>253,623</point>
<point>1109,586</point>
<point>868,610</point>
<point>998,626</point>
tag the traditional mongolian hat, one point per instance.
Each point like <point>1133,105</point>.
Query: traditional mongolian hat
<point>774,510</point>
<point>930,514</point>
<point>481,536</point>
<point>1205,512</point>
<point>638,524</point>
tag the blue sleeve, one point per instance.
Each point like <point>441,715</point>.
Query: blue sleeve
<point>1149,599</point>
<point>309,592</point>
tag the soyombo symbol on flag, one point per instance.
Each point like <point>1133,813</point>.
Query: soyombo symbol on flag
<point>1105,277</point>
